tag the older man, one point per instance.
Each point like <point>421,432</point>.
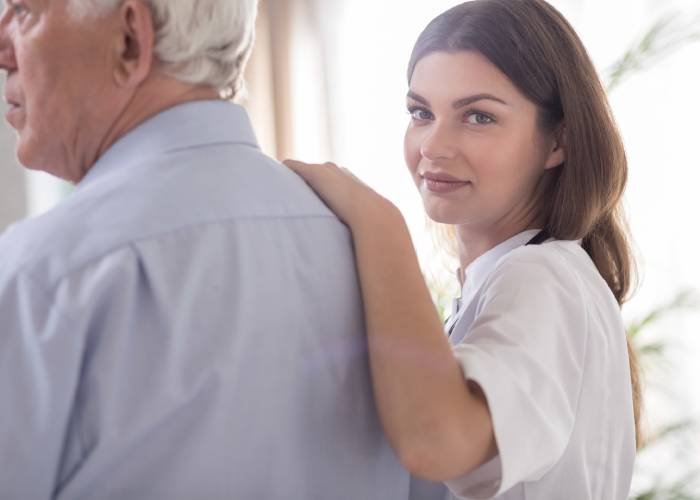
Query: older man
<point>186,324</point>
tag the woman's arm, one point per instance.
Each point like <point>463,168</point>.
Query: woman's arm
<point>439,426</point>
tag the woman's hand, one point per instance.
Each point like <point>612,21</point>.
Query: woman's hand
<point>437,427</point>
<point>346,195</point>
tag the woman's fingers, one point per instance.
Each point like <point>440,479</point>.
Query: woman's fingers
<point>303,167</point>
<point>309,171</point>
<point>344,193</point>
<point>320,176</point>
<point>297,166</point>
<point>341,191</point>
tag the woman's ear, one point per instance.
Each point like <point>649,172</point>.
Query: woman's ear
<point>134,45</point>
<point>557,153</point>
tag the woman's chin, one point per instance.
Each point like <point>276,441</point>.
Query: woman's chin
<point>444,215</point>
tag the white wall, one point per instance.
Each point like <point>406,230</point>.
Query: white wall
<point>13,195</point>
<point>658,111</point>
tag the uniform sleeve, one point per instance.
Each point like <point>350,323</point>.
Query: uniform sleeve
<point>40,354</point>
<point>526,350</point>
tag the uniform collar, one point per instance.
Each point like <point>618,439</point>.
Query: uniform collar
<point>478,271</point>
<point>185,126</point>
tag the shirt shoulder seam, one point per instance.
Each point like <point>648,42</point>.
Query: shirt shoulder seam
<point>130,242</point>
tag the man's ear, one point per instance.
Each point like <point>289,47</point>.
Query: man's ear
<point>557,153</point>
<point>134,45</point>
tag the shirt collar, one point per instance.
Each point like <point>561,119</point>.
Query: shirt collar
<point>478,271</point>
<point>184,126</point>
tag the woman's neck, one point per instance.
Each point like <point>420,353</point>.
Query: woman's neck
<point>474,241</point>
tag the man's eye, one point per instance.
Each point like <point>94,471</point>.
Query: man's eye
<point>420,114</point>
<point>18,8</point>
<point>476,118</point>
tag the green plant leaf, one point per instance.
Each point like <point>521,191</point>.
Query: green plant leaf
<point>668,34</point>
<point>684,300</point>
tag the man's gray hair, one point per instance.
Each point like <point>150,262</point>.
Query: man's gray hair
<point>205,42</point>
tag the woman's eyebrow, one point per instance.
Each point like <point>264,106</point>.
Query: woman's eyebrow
<point>460,103</point>
<point>417,98</point>
<point>478,97</point>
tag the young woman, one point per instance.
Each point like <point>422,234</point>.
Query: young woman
<point>511,141</point>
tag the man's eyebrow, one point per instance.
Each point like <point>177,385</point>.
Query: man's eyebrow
<point>460,103</point>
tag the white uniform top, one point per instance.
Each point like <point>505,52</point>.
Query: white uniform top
<point>540,331</point>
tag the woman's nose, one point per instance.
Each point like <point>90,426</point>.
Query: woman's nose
<point>438,144</point>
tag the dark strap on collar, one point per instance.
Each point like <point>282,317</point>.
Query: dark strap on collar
<point>539,238</point>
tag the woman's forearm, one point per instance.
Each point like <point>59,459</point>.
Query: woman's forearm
<point>436,425</point>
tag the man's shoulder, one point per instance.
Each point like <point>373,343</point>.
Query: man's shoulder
<point>169,194</point>
<point>45,245</point>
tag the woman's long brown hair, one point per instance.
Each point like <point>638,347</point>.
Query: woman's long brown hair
<point>539,51</point>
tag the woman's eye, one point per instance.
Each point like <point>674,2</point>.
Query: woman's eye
<point>420,114</point>
<point>475,118</point>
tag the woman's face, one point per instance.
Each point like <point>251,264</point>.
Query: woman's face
<point>473,145</point>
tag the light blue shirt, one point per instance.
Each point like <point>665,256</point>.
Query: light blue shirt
<point>187,324</point>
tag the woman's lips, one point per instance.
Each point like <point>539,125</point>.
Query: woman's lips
<point>442,183</point>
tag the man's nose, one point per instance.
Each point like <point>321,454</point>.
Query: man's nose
<point>7,58</point>
<point>7,51</point>
<point>438,144</point>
